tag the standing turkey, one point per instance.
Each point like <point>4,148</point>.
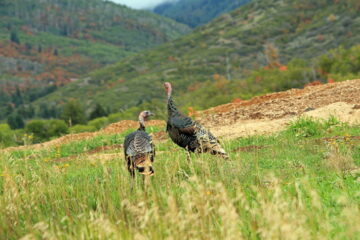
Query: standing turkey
<point>139,149</point>
<point>189,134</point>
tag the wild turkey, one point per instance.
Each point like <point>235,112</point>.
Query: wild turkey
<point>139,149</point>
<point>189,134</point>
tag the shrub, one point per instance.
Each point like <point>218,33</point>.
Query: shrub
<point>99,123</point>
<point>45,129</point>
<point>82,128</point>
<point>115,117</point>
<point>6,136</point>
<point>73,113</point>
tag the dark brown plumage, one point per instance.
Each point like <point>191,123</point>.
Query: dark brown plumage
<point>189,134</point>
<point>139,149</point>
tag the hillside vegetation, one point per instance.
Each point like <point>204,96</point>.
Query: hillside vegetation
<point>216,62</point>
<point>197,12</point>
<point>47,44</point>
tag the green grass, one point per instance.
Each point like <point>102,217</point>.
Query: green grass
<point>287,186</point>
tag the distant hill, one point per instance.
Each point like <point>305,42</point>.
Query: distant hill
<point>45,44</point>
<point>258,36</point>
<point>197,12</point>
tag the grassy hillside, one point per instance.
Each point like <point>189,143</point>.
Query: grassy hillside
<point>286,186</point>
<point>46,44</point>
<point>197,12</point>
<point>263,35</point>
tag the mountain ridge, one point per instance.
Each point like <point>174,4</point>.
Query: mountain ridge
<point>197,12</point>
<point>50,43</point>
<point>231,46</point>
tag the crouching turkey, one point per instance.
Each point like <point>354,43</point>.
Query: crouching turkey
<point>139,149</point>
<point>189,134</point>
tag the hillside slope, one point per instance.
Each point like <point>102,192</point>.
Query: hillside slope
<point>230,46</point>
<point>197,12</point>
<point>261,115</point>
<point>47,44</point>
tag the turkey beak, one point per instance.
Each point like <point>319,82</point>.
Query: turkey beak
<point>151,114</point>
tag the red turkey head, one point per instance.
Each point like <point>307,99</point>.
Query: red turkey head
<point>168,89</point>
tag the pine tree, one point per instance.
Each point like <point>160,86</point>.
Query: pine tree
<point>14,38</point>
<point>98,111</point>
<point>15,121</point>
<point>73,113</point>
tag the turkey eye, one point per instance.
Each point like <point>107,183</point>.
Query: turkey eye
<point>141,169</point>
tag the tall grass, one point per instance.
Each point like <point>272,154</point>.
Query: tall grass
<point>285,186</point>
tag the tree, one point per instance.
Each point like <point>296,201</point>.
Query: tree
<point>272,55</point>
<point>15,121</point>
<point>97,112</point>
<point>73,113</point>
<point>14,38</point>
<point>17,97</point>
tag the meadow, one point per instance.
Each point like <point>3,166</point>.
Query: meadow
<point>302,183</point>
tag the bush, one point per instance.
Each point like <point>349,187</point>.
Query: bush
<point>6,136</point>
<point>45,129</point>
<point>82,128</point>
<point>15,121</point>
<point>99,123</point>
<point>73,113</point>
<point>115,117</point>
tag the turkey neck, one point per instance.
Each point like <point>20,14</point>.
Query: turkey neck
<point>172,109</point>
<point>142,124</point>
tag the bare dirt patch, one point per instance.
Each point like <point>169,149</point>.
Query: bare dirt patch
<point>273,112</point>
<point>122,126</point>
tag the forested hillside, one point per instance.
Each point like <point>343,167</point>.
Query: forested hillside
<point>197,12</point>
<point>50,43</point>
<point>217,61</point>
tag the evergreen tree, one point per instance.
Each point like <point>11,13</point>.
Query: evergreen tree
<point>98,111</point>
<point>9,109</point>
<point>73,113</point>
<point>14,38</point>
<point>17,97</point>
<point>15,121</point>
<point>44,111</point>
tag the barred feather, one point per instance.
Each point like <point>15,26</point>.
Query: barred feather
<point>189,134</point>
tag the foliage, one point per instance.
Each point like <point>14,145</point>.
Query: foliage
<point>97,112</point>
<point>274,187</point>
<point>6,136</point>
<point>82,128</point>
<point>73,113</point>
<point>14,38</point>
<point>43,130</point>
<point>15,121</point>
<point>98,123</point>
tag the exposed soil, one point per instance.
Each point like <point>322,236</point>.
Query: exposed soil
<point>122,126</point>
<point>273,112</point>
